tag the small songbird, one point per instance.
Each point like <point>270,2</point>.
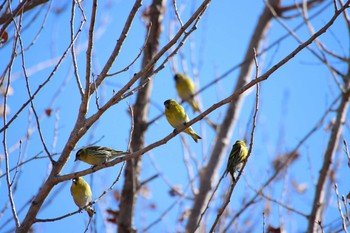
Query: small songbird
<point>96,155</point>
<point>237,156</point>
<point>82,194</point>
<point>177,117</point>
<point>186,90</point>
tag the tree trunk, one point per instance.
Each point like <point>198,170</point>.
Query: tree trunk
<point>140,112</point>
<point>315,218</point>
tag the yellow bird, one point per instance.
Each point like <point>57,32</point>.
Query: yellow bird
<point>177,117</point>
<point>82,194</point>
<point>96,155</point>
<point>186,90</point>
<point>238,155</point>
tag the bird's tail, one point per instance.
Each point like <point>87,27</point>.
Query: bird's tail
<point>194,105</point>
<point>90,211</point>
<point>195,136</point>
<point>117,153</point>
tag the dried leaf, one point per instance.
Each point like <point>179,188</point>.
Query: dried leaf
<point>5,89</point>
<point>2,110</point>
<point>113,216</point>
<point>299,187</point>
<point>271,229</point>
<point>4,37</point>
<point>116,195</point>
<point>48,112</point>
<point>145,192</point>
<point>153,206</point>
<point>184,215</point>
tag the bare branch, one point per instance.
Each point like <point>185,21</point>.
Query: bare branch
<point>4,141</point>
<point>74,58</point>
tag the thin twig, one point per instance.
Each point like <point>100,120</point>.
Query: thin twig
<point>227,201</point>
<point>136,58</point>
<point>177,13</point>
<point>32,103</point>
<point>74,58</point>
<point>347,151</point>
<point>340,210</point>
<point>166,211</point>
<point>4,141</point>
<point>210,198</point>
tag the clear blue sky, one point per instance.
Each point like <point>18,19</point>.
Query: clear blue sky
<point>292,100</point>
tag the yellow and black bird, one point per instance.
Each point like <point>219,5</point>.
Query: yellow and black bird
<point>238,155</point>
<point>96,155</point>
<point>82,194</point>
<point>177,117</point>
<point>186,90</point>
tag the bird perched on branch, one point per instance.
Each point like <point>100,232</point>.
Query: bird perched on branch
<point>82,194</point>
<point>177,117</point>
<point>186,90</point>
<point>238,155</point>
<point>96,155</point>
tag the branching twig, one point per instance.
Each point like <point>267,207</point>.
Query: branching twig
<point>347,151</point>
<point>61,59</point>
<point>4,141</point>
<point>340,210</point>
<point>136,58</point>
<point>227,201</point>
<point>32,103</point>
<point>74,58</point>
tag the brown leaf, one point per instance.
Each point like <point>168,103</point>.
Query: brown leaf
<point>116,195</point>
<point>184,215</point>
<point>2,110</point>
<point>145,192</point>
<point>271,229</point>
<point>113,215</point>
<point>48,112</point>
<point>4,37</point>
<point>153,206</point>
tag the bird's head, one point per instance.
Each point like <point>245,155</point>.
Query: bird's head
<point>78,154</point>
<point>76,180</point>
<point>240,142</point>
<point>178,77</point>
<point>169,103</point>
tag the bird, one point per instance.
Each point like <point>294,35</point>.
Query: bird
<point>96,155</point>
<point>177,117</point>
<point>186,90</point>
<point>82,194</point>
<point>238,155</point>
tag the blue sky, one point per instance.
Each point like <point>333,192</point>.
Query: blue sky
<point>292,100</point>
